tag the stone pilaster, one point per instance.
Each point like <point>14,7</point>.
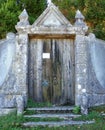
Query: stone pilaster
<point>81,74</point>
<point>21,62</point>
<point>21,67</point>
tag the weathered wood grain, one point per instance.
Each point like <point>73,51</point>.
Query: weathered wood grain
<point>52,80</point>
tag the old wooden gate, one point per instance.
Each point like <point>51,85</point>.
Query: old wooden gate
<point>51,70</point>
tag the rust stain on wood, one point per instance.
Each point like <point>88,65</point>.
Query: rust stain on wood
<point>53,36</point>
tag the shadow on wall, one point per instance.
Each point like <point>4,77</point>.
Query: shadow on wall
<point>7,51</point>
<point>97,51</point>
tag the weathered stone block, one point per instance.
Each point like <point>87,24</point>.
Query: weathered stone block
<point>20,104</point>
<point>1,100</point>
<point>9,101</point>
<point>96,99</point>
<point>84,103</point>
<point>81,49</point>
<point>4,111</point>
<point>81,68</point>
<point>81,59</point>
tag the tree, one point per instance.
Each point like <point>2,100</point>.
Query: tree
<point>95,15</point>
<point>9,12</point>
<point>93,10</point>
<point>11,9</point>
<point>33,7</point>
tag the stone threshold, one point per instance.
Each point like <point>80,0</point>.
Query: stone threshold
<point>60,108</point>
<point>103,114</point>
<point>60,115</point>
<point>56,124</point>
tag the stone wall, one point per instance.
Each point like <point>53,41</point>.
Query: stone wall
<point>96,73</point>
<point>7,74</point>
<point>89,60</point>
<point>13,76</point>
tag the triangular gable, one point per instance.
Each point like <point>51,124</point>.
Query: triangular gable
<point>52,17</point>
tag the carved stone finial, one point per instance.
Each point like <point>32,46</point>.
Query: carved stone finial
<point>23,19</point>
<point>79,19</point>
<point>79,15</point>
<point>49,2</point>
<point>23,15</point>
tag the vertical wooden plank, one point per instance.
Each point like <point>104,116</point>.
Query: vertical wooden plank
<point>32,68</point>
<point>65,47</point>
<point>47,72</point>
<point>56,81</point>
<point>30,71</point>
<point>72,50</point>
<point>38,93</point>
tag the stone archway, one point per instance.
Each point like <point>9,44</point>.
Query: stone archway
<point>50,25</point>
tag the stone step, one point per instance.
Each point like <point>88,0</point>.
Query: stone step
<point>60,108</point>
<point>56,124</point>
<point>103,114</point>
<point>56,115</point>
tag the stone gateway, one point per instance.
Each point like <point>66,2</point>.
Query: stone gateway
<point>51,61</point>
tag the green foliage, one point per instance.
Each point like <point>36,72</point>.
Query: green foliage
<point>99,109</point>
<point>91,116</point>
<point>93,10</point>
<point>33,7</point>
<point>12,122</point>
<point>10,10</point>
<point>31,103</point>
<point>76,110</point>
<point>95,15</point>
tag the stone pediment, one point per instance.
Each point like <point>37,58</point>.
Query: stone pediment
<point>52,17</point>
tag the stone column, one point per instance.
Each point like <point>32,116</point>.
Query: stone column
<point>81,64</point>
<point>21,68</point>
<point>81,72</point>
<point>21,62</point>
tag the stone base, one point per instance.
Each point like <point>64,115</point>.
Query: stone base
<point>96,99</point>
<point>5,111</point>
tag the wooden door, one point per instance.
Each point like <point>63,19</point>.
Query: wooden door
<point>51,70</point>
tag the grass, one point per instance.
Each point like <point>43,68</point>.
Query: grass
<point>31,103</point>
<point>12,122</point>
